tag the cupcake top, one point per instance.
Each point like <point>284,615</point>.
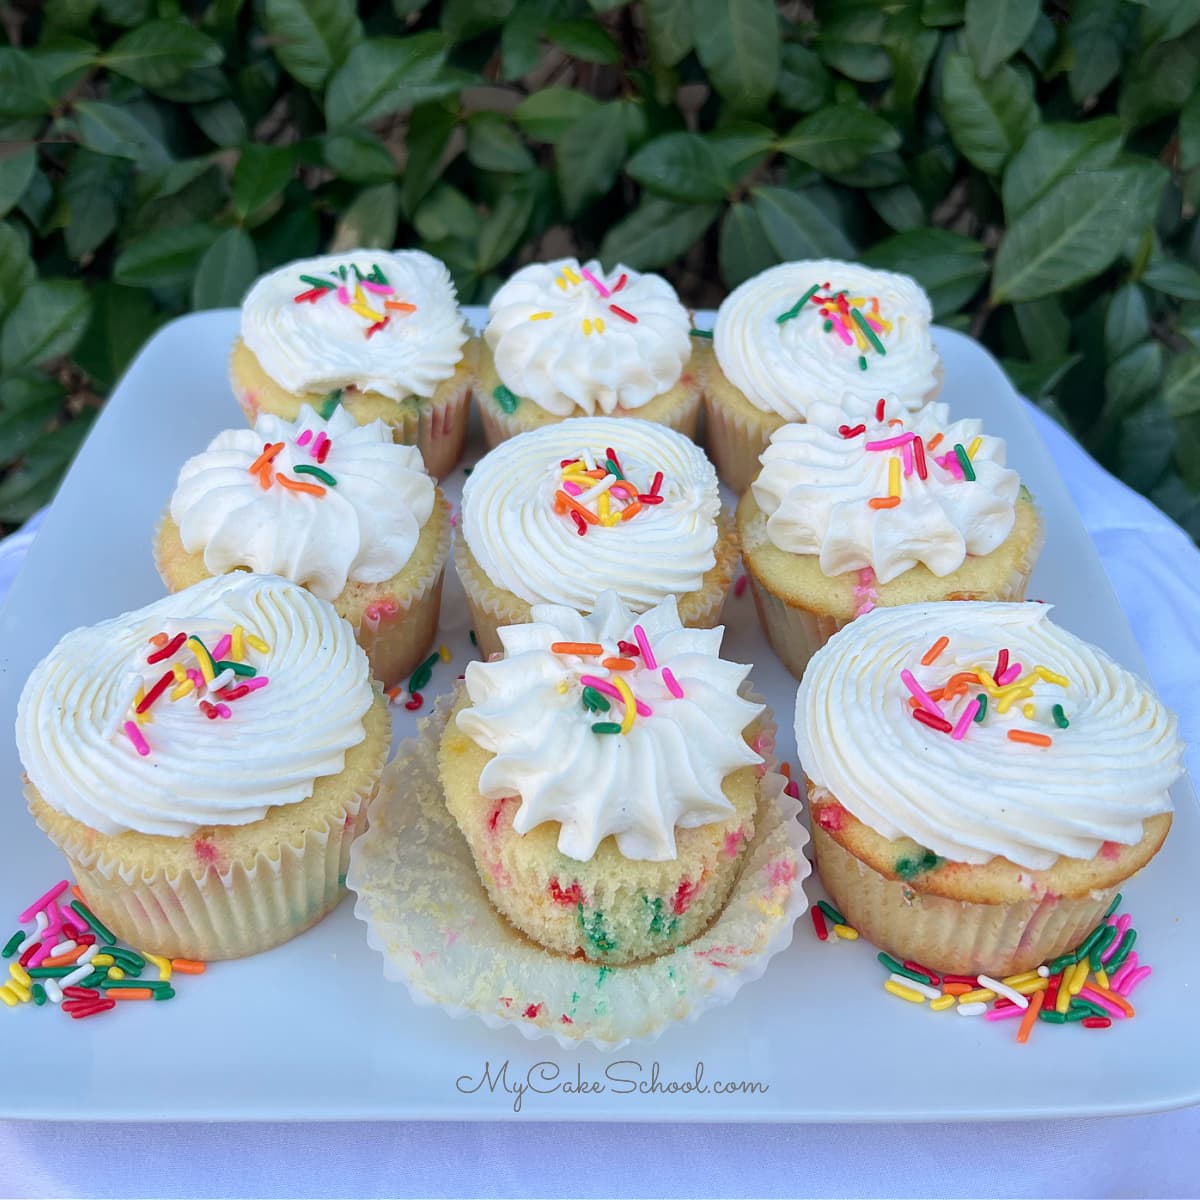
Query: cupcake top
<point>561,513</point>
<point>382,321</point>
<point>208,707</point>
<point>611,724</point>
<point>982,730</point>
<point>808,331</point>
<point>574,339</point>
<point>322,502</point>
<point>868,484</point>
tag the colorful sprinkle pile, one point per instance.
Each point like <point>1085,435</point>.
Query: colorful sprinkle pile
<point>568,280</point>
<point>583,483</point>
<point>66,956</point>
<point>1002,685</point>
<point>318,449</point>
<point>373,285</point>
<point>844,316</point>
<point>411,697</point>
<point>218,677</point>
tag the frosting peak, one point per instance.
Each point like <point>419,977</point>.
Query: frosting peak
<point>383,321</point>
<point>632,750</point>
<point>573,338</point>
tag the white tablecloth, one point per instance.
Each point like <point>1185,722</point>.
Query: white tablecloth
<point>1156,572</point>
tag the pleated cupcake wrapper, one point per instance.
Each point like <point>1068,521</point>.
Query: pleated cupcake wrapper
<point>246,908</point>
<point>426,913</point>
<point>797,633</point>
<point>953,935</point>
<point>492,608</point>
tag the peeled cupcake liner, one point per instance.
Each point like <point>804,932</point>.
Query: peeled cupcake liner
<point>953,935</point>
<point>243,909</point>
<point>492,607</point>
<point>427,914</point>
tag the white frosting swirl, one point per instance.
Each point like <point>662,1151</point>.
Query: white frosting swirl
<point>816,487</point>
<point>665,773</point>
<point>524,545</point>
<point>559,340</point>
<point>277,742</point>
<point>986,795</point>
<point>323,344</point>
<point>786,366</point>
<point>363,528</point>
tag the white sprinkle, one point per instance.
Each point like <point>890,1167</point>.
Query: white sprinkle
<point>930,993</point>
<point>53,990</point>
<point>974,1009</point>
<point>598,490</point>
<point>63,947</point>
<point>1002,989</point>
<point>40,922</point>
<point>1044,971</point>
<point>588,461</point>
<point>225,678</point>
<point>76,975</point>
<point>88,954</point>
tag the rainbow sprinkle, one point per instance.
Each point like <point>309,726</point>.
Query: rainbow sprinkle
<point>569,281</point>
<point>369,289</point>
<point>583,483</point>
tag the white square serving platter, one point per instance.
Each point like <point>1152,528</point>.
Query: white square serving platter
<point>311,1030</point>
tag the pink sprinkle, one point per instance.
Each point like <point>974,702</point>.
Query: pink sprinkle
<point>841,329</point>
<point>224,711</point>
<point>195,677</point>
<point>601,685</point>
<point>259,681</point>
<point>639,636</point>
<point>672,683</point>
<point>604,292</point>
<point>875,325</point>
<point>134,734</point>
<point>901,439</point>
<point>1004,1014</point>
<point>1012,673</point>
<point>56,918</point>
<point>318,442</point>
<point>222,648</point>
<point>380,289</point>
<point>923,698</point>
<point>1122,925</point>
<point>572,489</point>
<point>864,590</point>
<point>621,488</point>
<point>906,455</point>
<point>42,952</point>
<point>1133,979</point>
<point>949,462</point>
<point>43,900</point>
<point>1127,968</point>
<point>740,586</point>
<point>964,722</point>
<point>304,438</point>
<point>1109,1007</point>
<point>342,294</point>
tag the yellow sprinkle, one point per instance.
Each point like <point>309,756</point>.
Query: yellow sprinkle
<point>1023,977</point>
<point>894,477</point>
<point>857,301</point>
<point>203,659</point>
<point>599,324</point>
<point>942,1003</point>
<point>444,652</point>
<point>1102,978</point>
<point>1078,977</point>
<point>630,703</point>
<point>913,997</point>
<point>1004,703</point>
<point>562,284</point>
<point>1049,676</point>
<point>887,325</point>
<point>360,297</point>
<point>570,274</point>
<point>163,964</point>
<point>542,316</point>
<point>140,717</point>
<point>1034,985</point>
<point>604,507</point>
<point>19,990</point>
<point>983,994</point>
<point>115,972</point>
<point>1064,995</point>
<point>844,931</point>
<point>179,673</point>
<point>9,998</point>
<point>364,311</point>
<point>563,687</point>
<point>19,973</point>
<point>1029,711</point>
<point>102,960</point>
<point>587,326</point>
<point>237,644</point>
<point>178,693</point>
<point>973,448</point>
<point>256,643</point>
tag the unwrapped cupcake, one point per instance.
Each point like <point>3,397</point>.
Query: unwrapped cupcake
<point>869,505</point>
<point>205,762</point>
<point>377,331</point>
<point>981,782</point>
<point>564,512</point>
<point>565,339</point>
<point>806,332</point>
<point>330,504</point>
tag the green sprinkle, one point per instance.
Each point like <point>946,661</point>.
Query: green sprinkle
<point>123,956</point>
<point>1112,908</point>
<point>595,932</point>
<point>1078,1014</point>
<point>474,639</point>
<point>831,912</point>
<point>243,669</point>
<point>964,462</point>
<point>123,984</point>
<point>422,675</point>
<point>330,403</point>
<point>612,468</point>
<point>1054,1018</point>
<point>323,475</point>
<point>794,311</point>
<point>1086,1008</point>
<point>98,927</point>
<point>1061,963</point>
<point>49,972</point>
<point>10,947</point>
<point>506,399</point>
<point>659,924</point>
<point>909,868</point>
<point>377,275</point>
<point>594,702</point>
<point>39,994</point>
<point>885,958</point>
<point>604,972</point>
<point>862,363</point>
<point>1060,717</point>
<point>701,333</point>
<point>981,711</point>
<point>868,332</point>
<point>606,727</point>
<point>167,993</point>
<point>1085,947</point>
<point>1122,951</point>
<point>467,472</point>
<point>1103,942</point>
<point>828,326</point>
<point>96,978</point>
<point>342,272</point>
<point>315,282</point>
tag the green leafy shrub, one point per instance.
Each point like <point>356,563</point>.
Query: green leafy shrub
<point>1034,165</point>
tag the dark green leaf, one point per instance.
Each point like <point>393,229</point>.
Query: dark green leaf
<point>943,13</point>
<point>1041,43</point>
<point>1051,152</point>
<point>656,232</point>
<point>16,170</point>
<point>465,19</point>
<point>68,16</point>
<point>1162,20</point>
<point>1181,390</point>
<point>1189,134</point>
<point>949,266</point>
<point>798,227</point>
<point>28,403</point>
<point>589,157</point>
<point>804,84</point>
<point>1075,230</point>
<point>1127,321</point>
<point>520,40</point>
<point>996,31</point>
<point>164,257</point>
<point>207,83</point>
<point>359,156</point>
<point>225,273</point>
<point>1145,446</point>
<point>1039,379</point>
<point>851,40</point>
<point>291,233</point>
<point>122,319</point>
<point>504,227</point>
<point>584,40</point>
<point>547,114</point>
<point>670,29</point>
<point>222,122</point>
<point>1045,327</point>
<point>386,75</point>
<point>1173,278</point>
<point>429,131</point>
<point>839,137</point>
<point>161,52</point>
<point>447,215</point>
<point>494,145</point>
<point>24,86</point>
<point>261,174</point>
<point>1161,81</point>
<point>34,482</point>
<point>1132,377</point>
<point>911,47</point>
<point>107,129</point>
<point>17,271</point>
<point>744,248</point>
<point>370,221</point>
<point>312,37</point>
<point>876,170</point>
<point>47,323</point>
<point>899,206</point>
<point>682,166</point>
<point>740,147</point>
<point>989,118</point>
<point>93,190</point>
<point>125,12</point>
<point>739,47</point>
<point>36,200</point>
<point>1095,57</point>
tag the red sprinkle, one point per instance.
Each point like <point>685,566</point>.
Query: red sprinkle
<point>740,585</point>
<point>1095,1022</point>
<point>818,920</point>
<point>629,649</point>
<point>414,702</point>
<point>580,523</point>
<point>312,296</point>
<point>934,722</point>
<point>236,694</point>
<point>656,485</point>
<point>323,453</point>
<point>849,431</point>
<point>81,993</point>
<point>919,458</point>
<point>168,649</point>
<point>156,691</point>
<point>878,406</point>
<point>560,895</point>
<point>373,329</point>
<point>971,979</point>
<point>626,316</point>
<point>1001,664</point>
<point>612,454</point>
<point>34,947</point>
<point>932,976</point>
<point>621,282</point>
<point>80,1009</point>
<point>209,710</point>
<point>646,498</point>
<point>533,1011</point>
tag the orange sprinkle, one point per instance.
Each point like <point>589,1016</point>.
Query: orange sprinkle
<point>188,966</point>
<point>1113,998</point>
<point>586,513</point>
<point>957,684</point>
<point>400,306</point>
<point>594,473</point>
<point>619,664</point>
<point>931,655</point>
<point>895,421</point>
<point>264,479</point>
<point>1027,1021</point>
<point>294,485</point>
<point>76,892</point>
<point>936,694</point>
<point>392,693</point>
<point>266,457</point>
<point>884,502</point>
<point>159,640</point>
<point>957,989</point>
<point>576,648</point>
<point>934,442</point>
<point>62,960</point>
<point>130,994</point>
<point>785,769</point>
<point>1029,737</point>
<point>632,510</point>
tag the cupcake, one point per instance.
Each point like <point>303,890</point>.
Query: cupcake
<point>981,782</point>
<point>564,340</point>
<point>205,762</point>
<point>377,331</point>
<point>564,512</point>
<point>804,332</point>
<point>330,504</point>
<point>602,776</point>
<point>868,505</point>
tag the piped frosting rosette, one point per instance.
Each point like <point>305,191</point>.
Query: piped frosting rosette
<point>573,338</point>
<point>868,484</point>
